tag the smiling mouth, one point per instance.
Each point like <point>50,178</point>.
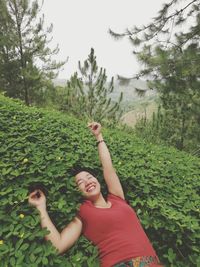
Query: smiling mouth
<point>90,188</point>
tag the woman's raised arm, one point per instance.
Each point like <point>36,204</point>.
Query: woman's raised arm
<point>110,176</point>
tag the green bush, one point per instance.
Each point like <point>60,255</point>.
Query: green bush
<point>162,184</point>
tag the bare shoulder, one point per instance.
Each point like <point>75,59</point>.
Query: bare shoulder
<point>77,220</point>
<point>118,194</point>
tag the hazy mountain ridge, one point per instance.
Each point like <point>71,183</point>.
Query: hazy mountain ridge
<point>129,92</point>
<point>134,106</point>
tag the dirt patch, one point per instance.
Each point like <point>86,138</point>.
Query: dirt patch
<point>130,118</point>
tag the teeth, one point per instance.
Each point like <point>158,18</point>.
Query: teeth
<point>91,188</point>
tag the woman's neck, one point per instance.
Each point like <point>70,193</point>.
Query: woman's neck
<point>100,201</point>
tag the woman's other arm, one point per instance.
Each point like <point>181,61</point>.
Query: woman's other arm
<point>69,235</point>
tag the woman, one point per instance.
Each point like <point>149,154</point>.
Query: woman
<point>111,224</point>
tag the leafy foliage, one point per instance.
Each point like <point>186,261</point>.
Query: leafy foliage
<point>161,184</point>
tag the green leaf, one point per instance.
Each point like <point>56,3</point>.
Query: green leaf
<point>24,246</point>
<point>44,260</point>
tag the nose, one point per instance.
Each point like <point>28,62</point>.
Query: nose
<point>88,181</point>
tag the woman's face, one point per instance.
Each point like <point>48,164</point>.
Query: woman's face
<point>87,184</point>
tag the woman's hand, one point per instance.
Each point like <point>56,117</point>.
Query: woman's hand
<point>37,199</point>
<point>95,128</point>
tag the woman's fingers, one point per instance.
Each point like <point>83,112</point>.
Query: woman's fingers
<point>40,192</point>
<point>90,124</point>
<point>32,194</point>
<point>36,195</point>
<point>94,125</point>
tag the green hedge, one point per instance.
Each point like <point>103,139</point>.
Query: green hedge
<point>162,184</point>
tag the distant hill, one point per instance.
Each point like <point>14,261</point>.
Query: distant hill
<point>134,106</point>
<point>128,89</point>
<point>142,110</point>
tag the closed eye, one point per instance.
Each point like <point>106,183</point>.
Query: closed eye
<point>80,182</point>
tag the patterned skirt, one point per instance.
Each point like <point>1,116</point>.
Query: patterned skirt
<point>147,261</point>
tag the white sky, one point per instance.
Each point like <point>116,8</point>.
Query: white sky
<point>82,24</point>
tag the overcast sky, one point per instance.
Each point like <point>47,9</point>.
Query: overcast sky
<point>82,24</point>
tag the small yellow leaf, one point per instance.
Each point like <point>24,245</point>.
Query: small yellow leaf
<point>21,235</point>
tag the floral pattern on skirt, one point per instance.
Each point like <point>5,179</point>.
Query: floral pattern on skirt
<point>146,261</point>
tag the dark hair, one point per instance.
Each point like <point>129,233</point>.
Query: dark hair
<point>77,169</point>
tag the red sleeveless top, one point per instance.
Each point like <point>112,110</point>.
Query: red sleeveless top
<point>116,231</point>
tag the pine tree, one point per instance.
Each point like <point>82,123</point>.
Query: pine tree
<point>89,92</point>
<point>176,76</point>
<point>165,27</point>
<point>164,31</point>
<point>170,59</point>
<point>25,59</point>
